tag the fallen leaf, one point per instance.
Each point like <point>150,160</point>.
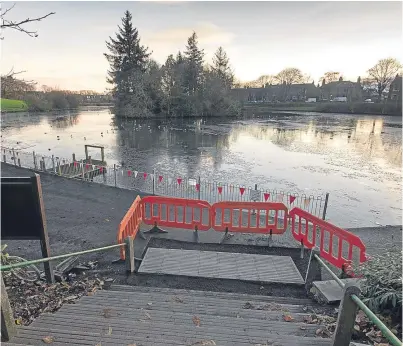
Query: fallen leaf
<point>196,321</point>
<point>204,343</point>
<point>177,299</point>
<point>109,331</point>
<point>302,328</point>
<point>248,305</point>
<point>18,321</point>
<point>288,318</point>
<point>47,339</point>
<point>148,315</point>
<point>107,313</point>
<point>107,220</point>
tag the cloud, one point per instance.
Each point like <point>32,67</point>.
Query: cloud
<point>208,33</point>
<point>171,40</point>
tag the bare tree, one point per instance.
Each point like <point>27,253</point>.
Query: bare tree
<point>18,25</point>
<point>290,76</point>
<point>383,73</point>
<point>266,80</point>
<point>14,87</point>
<point>330,76</point>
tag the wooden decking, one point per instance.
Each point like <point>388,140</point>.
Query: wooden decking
<point>129,315</point>
<point>221,265</point>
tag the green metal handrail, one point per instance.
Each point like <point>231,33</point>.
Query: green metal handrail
<point>392,338</point>
<point>48,259</point>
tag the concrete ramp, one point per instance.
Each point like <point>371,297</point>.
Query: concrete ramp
<point>221,265</point>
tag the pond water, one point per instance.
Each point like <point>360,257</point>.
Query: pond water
<point>357,159</point>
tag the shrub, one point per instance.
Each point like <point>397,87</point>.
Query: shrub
<point>382,290</point>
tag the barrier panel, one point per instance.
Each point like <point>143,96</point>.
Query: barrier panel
<point>130,224</point>
<point>176,212</point>
<point>249,217</point>
<point>340,242</point>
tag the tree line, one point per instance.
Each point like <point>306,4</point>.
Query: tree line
<point>183,86</point>
<point>377,80</point>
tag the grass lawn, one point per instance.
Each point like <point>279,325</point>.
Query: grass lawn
<point>13,105</point>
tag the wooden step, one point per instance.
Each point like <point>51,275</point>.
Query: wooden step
<point>201,293</point>
<point>155,336</point>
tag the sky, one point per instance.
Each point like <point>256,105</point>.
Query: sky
<point>259,37</point>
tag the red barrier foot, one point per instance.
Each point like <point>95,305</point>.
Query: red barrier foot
<point>155,230</point>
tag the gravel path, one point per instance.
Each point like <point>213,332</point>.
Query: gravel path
<point>83,215</point>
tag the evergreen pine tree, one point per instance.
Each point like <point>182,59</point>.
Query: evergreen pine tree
<point>194,66</point>
<point>128,61</point>
<point>222,69</point>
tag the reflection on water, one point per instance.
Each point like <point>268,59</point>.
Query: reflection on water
<point>355,158</point>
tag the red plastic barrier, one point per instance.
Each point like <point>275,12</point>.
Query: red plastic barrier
<point>130,224</point>
<point>176,212</point>
<point>249,217</point>
<point>306,232</point>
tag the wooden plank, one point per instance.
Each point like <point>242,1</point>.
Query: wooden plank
<point>195,293</point>
<point>223,265</point>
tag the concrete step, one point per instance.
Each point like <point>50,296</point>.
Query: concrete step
<point>329,291</point>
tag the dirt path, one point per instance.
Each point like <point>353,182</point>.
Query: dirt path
<point>83,215</point>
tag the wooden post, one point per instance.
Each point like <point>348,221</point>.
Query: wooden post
<point>102,154</point>
<point>53,164</point>
<point>14,159</point>
<point>35,164</point>
<point>86,151</point>
<point>314,271</point>
<point>82,169</point>
<point>198,192</point>
<point>45,247</point>
<point>346,318</point>
<point>74,157</point>
<point>8,327</point>
<point>325,206</point>
<point>129,254</point>
<point>19,162</point>
<point>114,170</point>
<point>44,164</point>
<point>153,181</point>
<point>4,156</point>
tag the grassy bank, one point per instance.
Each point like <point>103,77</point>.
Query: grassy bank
<point>329,107</point>
<point>13,105</point>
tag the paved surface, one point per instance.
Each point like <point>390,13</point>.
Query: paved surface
<point>141,316</point>
<point>221,265</point>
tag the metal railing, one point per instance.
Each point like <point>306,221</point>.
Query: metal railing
<point>348,307</point>
<point>162,184</point>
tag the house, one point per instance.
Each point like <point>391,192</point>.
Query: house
<point>273,93</point>
<point>341,89</point>
<point>395,90</point>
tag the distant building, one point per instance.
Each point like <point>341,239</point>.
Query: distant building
<point>341,89</point>
<point>395,90</point>
<point>273,93</point>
